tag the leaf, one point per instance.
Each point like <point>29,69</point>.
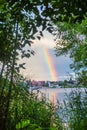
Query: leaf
<point>22,124</point>
<point>41,33</point>
<point>41,7</point>
<point>39,37</point>
<point>22,65</point>
<point>32,52</point>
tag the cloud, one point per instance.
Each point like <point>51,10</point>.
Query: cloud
<point>36,67</point>
<point>47,41</point>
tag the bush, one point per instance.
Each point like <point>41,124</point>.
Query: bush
<point>76,110</point>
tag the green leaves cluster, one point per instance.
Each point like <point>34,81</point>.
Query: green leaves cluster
<point>18,26</point>
<point>22,124</point>
<point>26,110</point>
<point>76,110</point>
<point>72,39</point>
<point>68,11</point>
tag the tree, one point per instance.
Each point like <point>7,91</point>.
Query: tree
<point>69,11</point>
<point>72,40</point>
<point>19,23</point>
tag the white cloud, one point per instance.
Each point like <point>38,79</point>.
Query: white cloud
<point>38,64</point>
<point>46,40</point>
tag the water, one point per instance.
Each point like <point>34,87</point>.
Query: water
<point>58,94</point>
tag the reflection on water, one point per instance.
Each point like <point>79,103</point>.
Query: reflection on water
<point>58,94</point>
<point>61,95</point>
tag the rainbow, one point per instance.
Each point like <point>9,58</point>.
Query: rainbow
<point>50,64</point>
<point>54,98</point>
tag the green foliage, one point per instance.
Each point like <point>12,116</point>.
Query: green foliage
<point>26,109</point>
<point>82,78</point>
<point>22,124</point>
<point>68,11</point>
<point>71,39</point>
<point>76,110</point>
<point>18,26</point>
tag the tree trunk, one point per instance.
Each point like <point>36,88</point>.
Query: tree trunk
<point>11,82</point>
<point>2,72</point>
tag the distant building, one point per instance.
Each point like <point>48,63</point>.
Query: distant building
<point>41,83</point>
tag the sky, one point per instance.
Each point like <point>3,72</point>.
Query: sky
<point>44,65</point>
